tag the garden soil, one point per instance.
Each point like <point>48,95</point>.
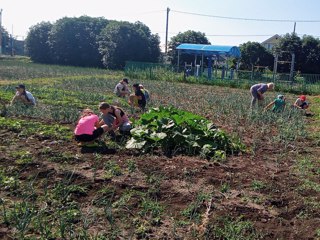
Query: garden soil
<point>276,209</point>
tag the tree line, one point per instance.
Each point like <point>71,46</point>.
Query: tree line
<point>98,42</point>
<point>92,42</point>
<point>306,50</point>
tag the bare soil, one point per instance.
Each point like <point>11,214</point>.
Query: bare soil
<point>278,209</point>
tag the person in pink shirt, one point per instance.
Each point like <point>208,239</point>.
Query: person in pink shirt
<point>87,129</point>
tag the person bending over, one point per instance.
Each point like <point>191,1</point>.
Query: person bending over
<point>88,128</point>
<point>115,118</point>
<point>138,99</point>
<point>121,89</point>
<point>257,92</point>
<point>23,96</point>
<point>278,104</point>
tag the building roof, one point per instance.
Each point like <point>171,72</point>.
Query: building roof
<point>209,50</point>
<point>275,37</point>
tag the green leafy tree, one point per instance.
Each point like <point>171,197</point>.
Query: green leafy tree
<point>310,55</point>
<point>254,54</point>
<point>36,43</point>
<point>6,42</point>
<point>288,44</point>
<point>124,41</point>
<point>74,41</point>
<point>185,37</point>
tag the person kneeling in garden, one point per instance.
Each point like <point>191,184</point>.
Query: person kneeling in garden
<point>23,96</point>
<point>121,89</point>
<point>302,105</point>
<point>115,118</point>
<point>88,128</point>
<point>301,102</point>
<point>279,104</point>
<point>138,99</point>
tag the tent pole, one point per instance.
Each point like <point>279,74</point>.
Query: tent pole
<point>201,65</point>
<point>178,61</point>
<point>195,63</point>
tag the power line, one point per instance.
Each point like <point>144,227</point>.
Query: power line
<point>246,19</point>
<point>240,35</point>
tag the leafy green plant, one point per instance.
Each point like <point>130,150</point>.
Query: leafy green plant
<point>177,131</point>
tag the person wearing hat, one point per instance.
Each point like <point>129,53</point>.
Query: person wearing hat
<point>23,96</point>
<point>279,104</point>
<point>257,92</point>
<point>301,102</point>
<point>121,89</point>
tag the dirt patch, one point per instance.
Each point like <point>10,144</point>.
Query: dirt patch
<point>260,188</point>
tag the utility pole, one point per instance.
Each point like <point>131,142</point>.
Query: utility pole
<point>275,66</point>
<point>292,67</point>
<point>12,42</point>
<point>167,24</point>
<point>0,32</point>
<point>292,58</point>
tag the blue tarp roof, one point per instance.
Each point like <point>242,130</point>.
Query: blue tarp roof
<point>209,50</point>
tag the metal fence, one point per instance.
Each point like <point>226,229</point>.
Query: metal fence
<point>300,83</point>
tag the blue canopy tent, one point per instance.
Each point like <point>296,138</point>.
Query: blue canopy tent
<point>208,51</point>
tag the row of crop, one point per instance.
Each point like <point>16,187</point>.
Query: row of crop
<point>24,69</point>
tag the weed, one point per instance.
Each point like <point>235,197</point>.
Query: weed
<point>22,157</point>
<point>112,169</point>
<point>192,212</point>
<point>232,229</point>
<point>150,207</point>
<point>132,166</point>
<point>225,187</point>
<point>257,185</point>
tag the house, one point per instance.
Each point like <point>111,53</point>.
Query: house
<point>271,42</point>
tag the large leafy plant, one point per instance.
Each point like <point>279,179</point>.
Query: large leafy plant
<point>175,131</point>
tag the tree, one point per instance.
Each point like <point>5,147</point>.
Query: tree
<point>74,41</point>
<point>288,44</point>
<point>185,37</point>
<point>123,41</point>
<point>310,55</point>
<point>254,54</point>
<point>36,43</point>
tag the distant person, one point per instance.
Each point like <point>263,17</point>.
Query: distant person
<point>301,102</point>
<point>23,96</point>
<point>137,99</point>
<point>257,92</point>
<point>278,104</point>
<point>145,92</point>
<point>121,89</point>
<point>88,128</point>
<point>115,118</point>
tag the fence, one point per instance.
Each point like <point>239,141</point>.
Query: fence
<point>301,83</point>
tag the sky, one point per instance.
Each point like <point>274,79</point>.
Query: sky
<point>198,15</point>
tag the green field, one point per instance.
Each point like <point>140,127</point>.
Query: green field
<point>50,189</point>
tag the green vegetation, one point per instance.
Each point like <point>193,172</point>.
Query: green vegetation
<point>51,189</point>
<point>178,131</point>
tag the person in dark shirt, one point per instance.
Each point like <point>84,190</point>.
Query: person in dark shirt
<point>137,99</point>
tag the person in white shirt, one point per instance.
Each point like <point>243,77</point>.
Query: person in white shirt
<point>121,89</point>
<point>23,96</point>
<point>301,102</point>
